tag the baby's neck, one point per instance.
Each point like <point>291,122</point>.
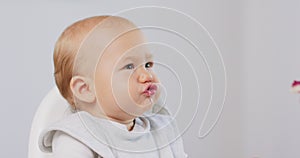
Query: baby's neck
<point>129,123</point>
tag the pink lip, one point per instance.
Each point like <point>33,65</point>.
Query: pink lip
<point>150,90</point>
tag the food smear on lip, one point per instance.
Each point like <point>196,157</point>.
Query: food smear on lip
<point>151,90</point>
<point>296,87</point>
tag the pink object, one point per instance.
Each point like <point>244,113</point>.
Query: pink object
<point>296,87</point>
<point>296,83</point>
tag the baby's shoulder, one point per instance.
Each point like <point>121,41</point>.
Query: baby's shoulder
<point>81,127</point>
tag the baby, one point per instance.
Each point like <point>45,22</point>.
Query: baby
<point>103,68</point>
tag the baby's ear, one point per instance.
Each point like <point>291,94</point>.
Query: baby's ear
<point>82,89</point>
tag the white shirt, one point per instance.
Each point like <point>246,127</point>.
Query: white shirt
<point>65,146</point>
<point>82,136</point>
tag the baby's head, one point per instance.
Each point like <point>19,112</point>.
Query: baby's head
<point>103,66</point>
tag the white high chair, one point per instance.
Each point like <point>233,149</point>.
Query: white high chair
<point>52,108</point>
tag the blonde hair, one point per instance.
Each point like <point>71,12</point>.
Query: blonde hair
<point>65,52</point>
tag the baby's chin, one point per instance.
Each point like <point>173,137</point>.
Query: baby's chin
<point>149,101</point>
<point>139,109</point>
<point>139,105</point>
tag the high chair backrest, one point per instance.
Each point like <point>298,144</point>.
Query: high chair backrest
<point>52,108</point>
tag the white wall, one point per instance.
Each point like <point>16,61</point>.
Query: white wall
<point>272,54</point>
<point>258,41</point>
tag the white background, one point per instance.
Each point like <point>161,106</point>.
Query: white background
<point>259,41</point>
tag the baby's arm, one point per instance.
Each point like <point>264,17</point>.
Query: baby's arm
<point>65,146</point>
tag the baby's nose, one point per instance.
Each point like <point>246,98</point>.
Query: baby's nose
<point>145,76</point>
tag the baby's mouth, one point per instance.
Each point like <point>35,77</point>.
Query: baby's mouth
<point>150,90</point>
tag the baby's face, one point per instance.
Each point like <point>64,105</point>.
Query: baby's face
<point>125,83</point>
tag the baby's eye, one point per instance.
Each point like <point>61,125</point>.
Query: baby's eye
<point>129,66</point>
<point>149,64</point>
